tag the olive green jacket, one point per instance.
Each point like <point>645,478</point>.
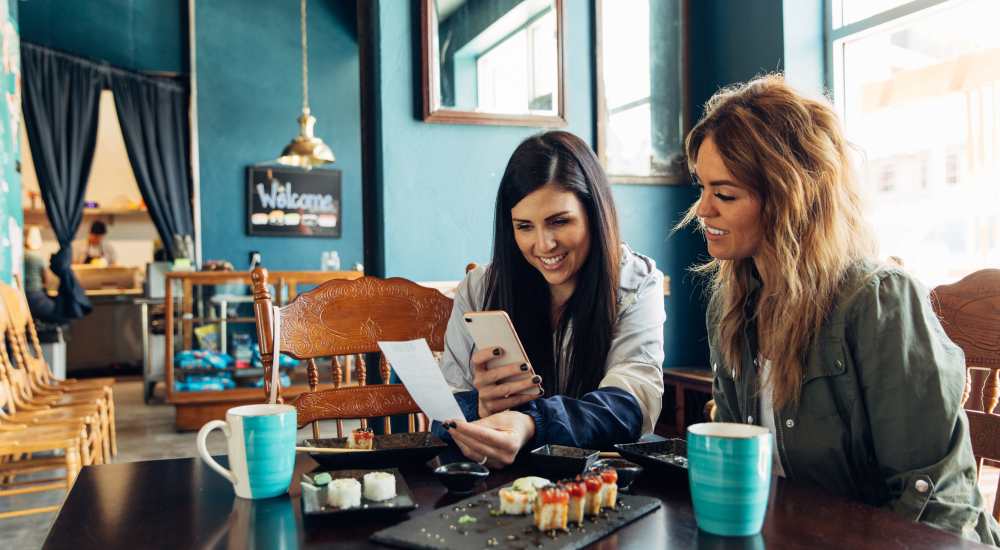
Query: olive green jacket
<point>879,417</point>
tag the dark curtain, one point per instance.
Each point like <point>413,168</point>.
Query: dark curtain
<point>154,124</point>
<point>60,105</point>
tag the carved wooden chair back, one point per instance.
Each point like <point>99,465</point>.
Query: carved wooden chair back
<point>345,319</point>
<point>970,313</point>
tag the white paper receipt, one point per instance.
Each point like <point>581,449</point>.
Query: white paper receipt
<point>416,367</point>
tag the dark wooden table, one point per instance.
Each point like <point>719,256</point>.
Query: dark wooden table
<point>181,503</point>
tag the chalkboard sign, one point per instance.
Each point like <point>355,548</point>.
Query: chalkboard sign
<point>289,202</point>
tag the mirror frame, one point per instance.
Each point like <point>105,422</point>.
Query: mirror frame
<point>432,111</point>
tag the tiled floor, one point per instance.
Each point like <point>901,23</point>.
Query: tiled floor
<point>147,433</point>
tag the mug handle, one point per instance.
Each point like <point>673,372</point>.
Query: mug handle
<point>203,450</point>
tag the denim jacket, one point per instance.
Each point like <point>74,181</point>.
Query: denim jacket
<point>628,399</point>
<point>879,417</point>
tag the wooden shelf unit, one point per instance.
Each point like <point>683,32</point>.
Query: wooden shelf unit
<point>195,408</point>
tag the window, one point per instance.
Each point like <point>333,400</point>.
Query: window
<point>918,86</point>
<point>519,73</point>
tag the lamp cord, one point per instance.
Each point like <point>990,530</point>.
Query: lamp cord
<point>305,61</point>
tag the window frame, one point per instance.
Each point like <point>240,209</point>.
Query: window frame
<point>602,114</point>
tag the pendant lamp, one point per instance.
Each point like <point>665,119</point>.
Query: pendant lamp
<point>305,150</point>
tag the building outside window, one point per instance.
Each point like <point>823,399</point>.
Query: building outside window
<point>917,84</point>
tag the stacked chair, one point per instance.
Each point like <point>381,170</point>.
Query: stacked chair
<point>46,424</point>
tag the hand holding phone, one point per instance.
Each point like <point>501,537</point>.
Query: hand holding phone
<point>501,371</point>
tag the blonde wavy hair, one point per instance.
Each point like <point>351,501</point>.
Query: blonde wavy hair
<point>789,150</point>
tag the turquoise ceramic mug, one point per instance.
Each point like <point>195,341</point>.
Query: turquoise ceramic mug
<point>729,469</point>
<point>261,441</point>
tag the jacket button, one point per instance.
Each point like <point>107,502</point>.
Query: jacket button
<point>789,423</point>
<point>839,363</point>
<point>922,486</point>
<point>749,420</point>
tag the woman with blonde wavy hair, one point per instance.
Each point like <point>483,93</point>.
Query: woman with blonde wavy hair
<point>842,358</point>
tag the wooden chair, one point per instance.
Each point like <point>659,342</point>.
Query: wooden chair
<point>18,444</point>
<point>86,415</point>
<point>27,339</point>
<point>970,313</point>
<point>29,392</point>
<point>347,318</point>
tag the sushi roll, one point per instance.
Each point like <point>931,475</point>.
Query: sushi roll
<point>519,498</point>
<point>551,508</point>
<point>577,492</point>
<point>609,487</point>
<point>344,493</point>
<point>360,439</point>
<point>593,502</point>
<point>380,486</point>
<point>514,502</point>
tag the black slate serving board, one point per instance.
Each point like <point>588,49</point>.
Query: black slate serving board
<point>441,529</point>
<point>402,502</point>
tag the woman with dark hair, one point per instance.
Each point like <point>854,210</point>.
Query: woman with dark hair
<point>588,310</point>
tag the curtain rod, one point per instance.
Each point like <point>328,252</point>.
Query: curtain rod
<point>174,83</point>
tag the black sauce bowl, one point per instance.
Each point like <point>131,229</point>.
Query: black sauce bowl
<point>628,471</point>
<point>461,477</point>
<point>559,461</point>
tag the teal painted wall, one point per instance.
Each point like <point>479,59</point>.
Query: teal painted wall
<point>249,94</point>
<point>440,180</point>
<point>11,217</point>
<point>141,35</point>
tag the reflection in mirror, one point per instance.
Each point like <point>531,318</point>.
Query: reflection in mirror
<point>494,57</point>
<point>642,82</point>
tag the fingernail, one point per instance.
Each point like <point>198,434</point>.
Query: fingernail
<point>496,351</point>
<point>536,379</point>
<point>524,367</point>
<point>541,391</point>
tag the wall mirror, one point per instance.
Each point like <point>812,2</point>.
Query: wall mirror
<point>493,62</point>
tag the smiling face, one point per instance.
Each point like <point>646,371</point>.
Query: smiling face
<point>728,210</point>
<point>551,230</point>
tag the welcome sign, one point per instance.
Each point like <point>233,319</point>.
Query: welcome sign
<point>292,202</point>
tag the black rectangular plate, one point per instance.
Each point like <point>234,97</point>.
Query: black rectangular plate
<point>669,456</point>
<point>402,502</point>
<point>388,451</point>
<point>435,529</point>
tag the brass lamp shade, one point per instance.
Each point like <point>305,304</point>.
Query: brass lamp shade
<point>306,150</point>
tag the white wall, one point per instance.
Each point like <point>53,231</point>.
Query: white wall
<point>111,184</point>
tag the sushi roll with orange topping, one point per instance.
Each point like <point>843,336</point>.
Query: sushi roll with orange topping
<point>551,508</point>
<point>593,483</point>
<point>577,491</point>
<point>360,439</point>
<point>609,487</point>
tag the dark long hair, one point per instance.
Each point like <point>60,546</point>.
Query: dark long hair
<point>515,286</point>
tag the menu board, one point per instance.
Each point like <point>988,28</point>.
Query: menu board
<point>291,202</point>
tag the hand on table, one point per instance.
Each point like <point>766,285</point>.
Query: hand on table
<point>504,387</point>
<point>495,439</point>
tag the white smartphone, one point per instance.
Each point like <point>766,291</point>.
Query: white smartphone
<point>494,329</point>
